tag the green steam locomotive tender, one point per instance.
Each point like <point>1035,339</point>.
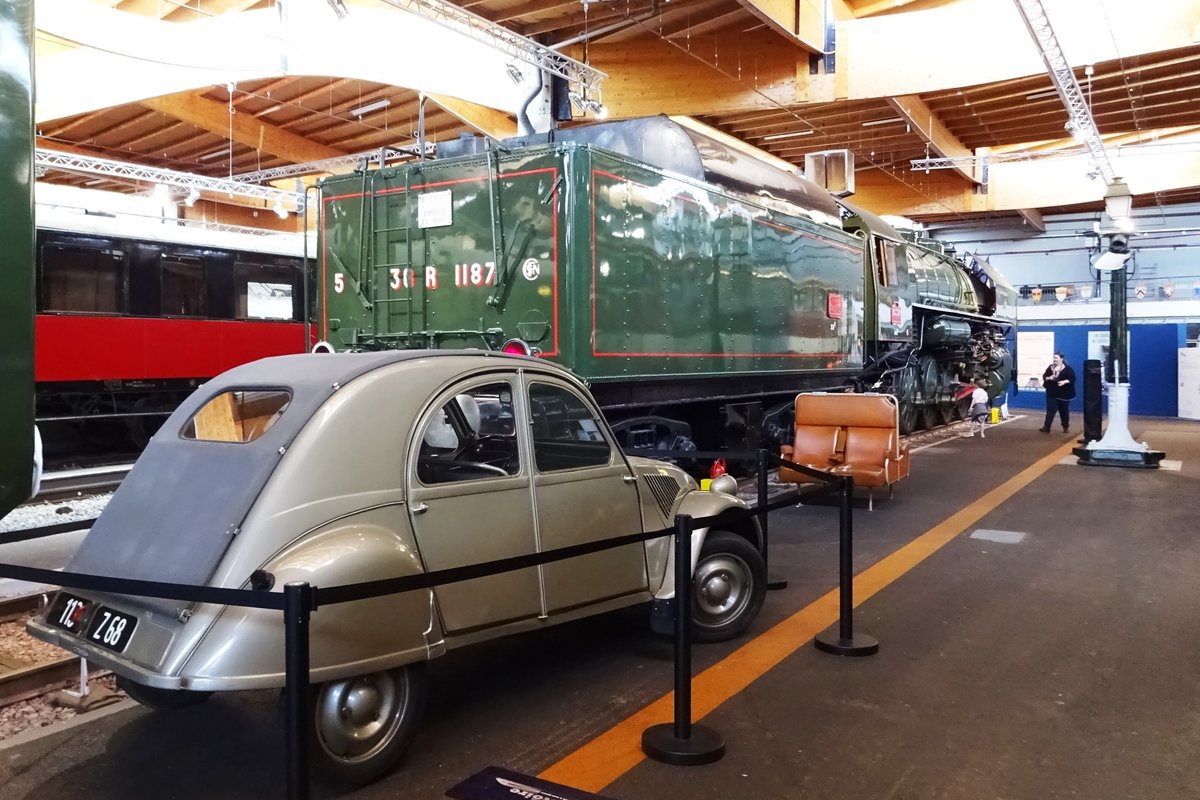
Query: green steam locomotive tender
<point>697,289</point>
<point>18,470</point>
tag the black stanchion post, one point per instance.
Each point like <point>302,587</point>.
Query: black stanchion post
<point>764,518</point>
<point>682,743</point>
<point>846,643</point>
<point>297,607</point>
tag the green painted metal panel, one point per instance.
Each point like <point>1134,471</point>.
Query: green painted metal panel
<point>410,256</point>
<point>688,280</point>
<point>617,269</point>
<point>16,252</point>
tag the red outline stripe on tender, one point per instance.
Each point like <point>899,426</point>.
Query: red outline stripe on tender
<point>605,354</point>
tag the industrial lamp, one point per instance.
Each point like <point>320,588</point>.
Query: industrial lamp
<point>1118,200</point>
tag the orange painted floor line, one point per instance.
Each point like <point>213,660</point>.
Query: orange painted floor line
<point>619,749</point>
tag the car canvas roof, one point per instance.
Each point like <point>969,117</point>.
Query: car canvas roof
<point>173,517</point>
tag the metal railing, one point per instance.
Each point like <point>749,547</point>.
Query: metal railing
<point>1158,288</point>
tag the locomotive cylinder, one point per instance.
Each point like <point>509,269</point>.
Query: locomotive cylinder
<point>944,331</point>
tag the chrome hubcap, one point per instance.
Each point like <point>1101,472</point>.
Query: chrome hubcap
<point>721,588</point>
<point>358,717</point>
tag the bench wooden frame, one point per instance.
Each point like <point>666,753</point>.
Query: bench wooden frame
<point>848,434</point>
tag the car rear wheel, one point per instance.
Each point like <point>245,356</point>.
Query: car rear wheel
<point>728,587</point>
<point>362,725</point>
<point>160,698</point>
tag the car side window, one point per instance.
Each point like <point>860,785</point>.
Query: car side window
<point>566,435</point>
<point>472,437</point>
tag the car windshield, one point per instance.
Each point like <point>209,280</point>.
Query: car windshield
<point>237,415</point>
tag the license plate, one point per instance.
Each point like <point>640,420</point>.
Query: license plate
<point>98,624</point>
<point>69,613</point>
<point>111,629</point>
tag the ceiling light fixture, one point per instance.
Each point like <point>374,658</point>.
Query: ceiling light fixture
<point>339,8</point>
<point>192,196</point>
<point>279,210</point>
<point>790,135</point>
<point>369,107</point>
<point>887,121</point>
<point>1042,95</point>
<point>212,155</point>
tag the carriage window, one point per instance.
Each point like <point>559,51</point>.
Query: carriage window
<point>263,291</point>
<point>183,286</point>
<point>473,436</point>
<point>566,435</point>
<point>237,416</point>
<point>82,279</point>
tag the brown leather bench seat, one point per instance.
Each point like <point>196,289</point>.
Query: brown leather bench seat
<point>848,434</point>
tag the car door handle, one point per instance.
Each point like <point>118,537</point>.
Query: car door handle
<point>419,508</point>
<point>629,478</point>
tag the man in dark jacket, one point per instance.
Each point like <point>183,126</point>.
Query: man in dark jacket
<point>1059,380</point>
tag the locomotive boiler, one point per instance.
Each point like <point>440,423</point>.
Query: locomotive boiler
<point>697,289</point>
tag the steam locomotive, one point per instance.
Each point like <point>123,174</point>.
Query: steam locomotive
<point>133,313</point>
<point>697,289</point>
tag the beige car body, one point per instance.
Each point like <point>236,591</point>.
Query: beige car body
<point>344,505</point>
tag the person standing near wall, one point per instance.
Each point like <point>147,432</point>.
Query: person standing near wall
<point>1059,382</point>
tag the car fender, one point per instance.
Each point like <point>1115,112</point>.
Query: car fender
<point>700,505</point>
<point>243,647</point>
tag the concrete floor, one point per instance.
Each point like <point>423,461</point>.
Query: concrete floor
<point>1038,626</point>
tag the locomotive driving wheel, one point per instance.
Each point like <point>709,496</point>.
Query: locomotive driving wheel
<point>946,406</point>
<point>906,395</point>
<point>930,382</point>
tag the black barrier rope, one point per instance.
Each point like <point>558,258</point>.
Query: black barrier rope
<point>172,591</point>
<point>45,530</point>
<point>680,742</point>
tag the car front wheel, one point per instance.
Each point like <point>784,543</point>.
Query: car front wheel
<point>362,725</point>
<point>728,587</point>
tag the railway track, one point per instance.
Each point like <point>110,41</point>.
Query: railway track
<point>66,483</point>
<point>29,668</point>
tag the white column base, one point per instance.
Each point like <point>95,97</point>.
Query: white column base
<point>1116,435</point>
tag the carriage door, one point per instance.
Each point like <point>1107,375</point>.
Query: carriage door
<point>583,491</point>
<point>469,503</point>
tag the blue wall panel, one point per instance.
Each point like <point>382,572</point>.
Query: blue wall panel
<point>1154,366</point>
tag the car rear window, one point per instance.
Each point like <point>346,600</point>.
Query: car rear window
<point>238,415</point>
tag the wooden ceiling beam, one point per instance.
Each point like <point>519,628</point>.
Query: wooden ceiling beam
<point>803,24</point>
<point>658,77</point>
<point>1015,186</point>
<point>874,7</point>
<point>487,121</point>
<point>245,130</point>
<point>82,119</point>
<point>933,132</point>
<point>1006,52</point>
<point>1033,218</point>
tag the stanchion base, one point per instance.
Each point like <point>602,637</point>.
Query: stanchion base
<point>860,645</point>
<point>774,582</point>
<point>704,747</point>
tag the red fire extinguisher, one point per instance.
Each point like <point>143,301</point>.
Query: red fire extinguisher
<point>718,468</point>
